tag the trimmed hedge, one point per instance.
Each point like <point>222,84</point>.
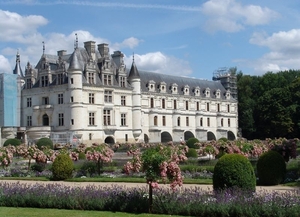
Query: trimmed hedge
<point>13,142</point>
<point>46,142</point>
<point>191,142</point>
<point>62,167</point>
<point>234,171</point>
<point>271,168</point>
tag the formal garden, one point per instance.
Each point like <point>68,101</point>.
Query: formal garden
<point>234,168</point>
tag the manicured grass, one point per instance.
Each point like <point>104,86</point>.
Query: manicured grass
<point>33,212</point>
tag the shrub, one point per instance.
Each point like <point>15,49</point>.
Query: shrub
<point>46,142</point>
<point>234,171</point>
<point>271,168</point>
<point>192,153</point>
<point>39,167</point>
<point>88,168</point>
<point>191,142</point>
<point>223,139</point>
<point>62,167</point>
<point>13,142</point>
<point>81,156</point>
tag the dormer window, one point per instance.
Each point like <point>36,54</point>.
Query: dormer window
<point>186,90</point>
<point>91,78</point>
<point>162,87</point>
<point>174,88</point>
<point>227,94</point>
<point>207,92</point>
<point>44,81</point>
<point>197,91</point>
<point>218,93</point>
<point>122,81</point>
<point>107,79</point>
<point>60,78</point>
<point>151,85</point>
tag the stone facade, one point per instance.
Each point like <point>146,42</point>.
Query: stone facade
<point>90,95</point>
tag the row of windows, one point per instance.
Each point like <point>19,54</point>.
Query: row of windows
<point>60,98</point>
<point>187,105</point>
<point>107,80</point>
<point>187,121</point>
<point>107,119</point>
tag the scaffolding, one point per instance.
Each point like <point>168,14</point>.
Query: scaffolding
<point>64,138</point>
<point>227,78</point>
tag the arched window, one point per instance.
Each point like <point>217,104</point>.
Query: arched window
<point>155,120</point>
<point>45,120</point>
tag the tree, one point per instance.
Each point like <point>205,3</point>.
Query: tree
<point>159,163</point>
<point>100,153</point>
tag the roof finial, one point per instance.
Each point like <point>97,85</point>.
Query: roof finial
<point>43,47</point>
<point>76,42</point>
<point>133,57</point>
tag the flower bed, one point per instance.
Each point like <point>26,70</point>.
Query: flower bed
<point>185,201</point>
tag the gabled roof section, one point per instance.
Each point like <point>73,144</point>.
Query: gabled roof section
<point>133,73</point>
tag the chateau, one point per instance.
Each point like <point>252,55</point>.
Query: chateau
<point>90,96</point>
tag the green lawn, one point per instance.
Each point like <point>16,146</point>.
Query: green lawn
<point>33,212</point>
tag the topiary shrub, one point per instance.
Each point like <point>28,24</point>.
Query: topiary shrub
<point>234,171</point>
<point>62,167</point>
<point>81,156</point>
<point>271,168</point>
<point>191,142</point>
<point>46,142</point>
<point>13,142</point>
<point>223,139</point>
<point>192,153</point>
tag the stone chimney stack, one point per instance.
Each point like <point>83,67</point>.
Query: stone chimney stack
<point>90,48</point>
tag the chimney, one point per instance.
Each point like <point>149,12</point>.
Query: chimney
<point>90,48</point>
<point>103,50</point>
<point>61,53</point>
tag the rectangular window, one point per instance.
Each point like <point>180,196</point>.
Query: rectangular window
<point>72,121</point>
<point>163,103</point>
<point>60,98</point>
<point>218,109</point>
<point>29,121</point>
<point>201,122</point>
<point>90,136</point>
<point>126,137</point>
<point>123,100</point>
<point>91,98</point>
<point>60,119</point>
<point>175,104</point>
<point>107,80</point>
<point>29,102</point>
<point>108,96</point>
<point>164,120</point>
<point>123,119</point>
<point>186,105</point>
<point>207,106</point>
<point>228,108</point>
<point>91,118</point>
<point>28,83</point>
<point>72,81</point>
<point>44,81</point>
<point>45,100</point>
<point>208,122</point>
<point>151,102</point>
<point>91,78</point>
<point>122,81</point>
<point>71,99</point>
<point>198,106</point>
<point>187,121</point>
<point>155,120</point>
<point>178,121</point>
<point>228,122</point>
<point>60,79</point>
<point>107,117</point>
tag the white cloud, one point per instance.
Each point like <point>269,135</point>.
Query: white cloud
<point>284,51</point>
<point>131,42</point>
<point>160,63</point>
<point>19,28</point>
<point>231,16</point>
<point>5,65</point>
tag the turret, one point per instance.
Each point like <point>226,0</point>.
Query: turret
<point>18,70</point>
<point>135,81</point>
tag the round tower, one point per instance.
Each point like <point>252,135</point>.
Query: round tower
<point>75,89</point>
<point>135,81</point>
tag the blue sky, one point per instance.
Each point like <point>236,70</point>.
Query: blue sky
<point>189,38</point>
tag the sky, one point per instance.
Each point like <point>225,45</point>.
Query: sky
<point>191,38</point>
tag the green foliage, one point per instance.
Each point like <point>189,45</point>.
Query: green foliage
<point>271,168</point>
<point>13,142</point>
<point>223,139</point>
<point>38,167</point>
<point>191,142</point>
<point>234,171</point>
<point>81,156</point>
<point>192,153</point>
<point>88,168</point>
<point>46,142</point>
<point>62,167</point>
